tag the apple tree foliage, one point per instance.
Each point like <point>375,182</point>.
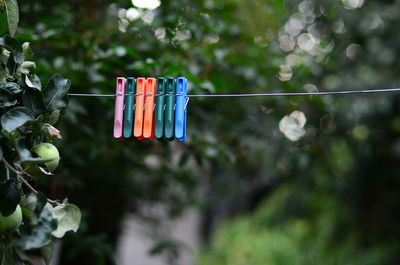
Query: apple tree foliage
<point>28,113</point>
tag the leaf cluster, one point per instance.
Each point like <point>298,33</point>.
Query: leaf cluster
<point>28,112</point>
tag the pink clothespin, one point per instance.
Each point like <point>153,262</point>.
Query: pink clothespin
<point>119,108</point>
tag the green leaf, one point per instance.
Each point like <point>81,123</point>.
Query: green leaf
<point>32,206</point>
<point>27,51</point>
<point>13,88</point>
<point>41,201</point>
<point>12,15</point>
<point>12,66</point>
<point>53,118</point>
<point>39,235</point>
<point>23,152</point>
<point>10,136</point>
<point>47,253</point>
<point>33,81</point>
<point>15,118</point>
<point>26,68</point>
<point>32,99</point>
<point>4,56</point>
<point>9,197</point>
<point>28,215</point>
<point>55,93</point>
<point>3,23</point>
<point>9,255</point>
<point>6,98</point>
<point>29,202</point>
<point>68,217</point>
<point>2,74</point>
<point>14,47</point>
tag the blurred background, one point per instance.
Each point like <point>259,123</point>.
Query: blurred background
<point>271,181</point>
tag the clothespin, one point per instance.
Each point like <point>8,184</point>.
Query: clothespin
<point>119,107</point>
<point>129,105</point>
<point>185,119</point>
<point>170,92</point>
<point>148,129</point>
<point>180,110</point>
<point>160,106</point>
<point>140,95</point>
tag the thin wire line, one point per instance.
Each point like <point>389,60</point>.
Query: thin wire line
<point>277,94</point>
<point>90,95</point>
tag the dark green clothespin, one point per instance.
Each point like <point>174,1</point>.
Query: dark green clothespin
<point>160,105</point>
<point>170,93</point>
<point>129,103</point>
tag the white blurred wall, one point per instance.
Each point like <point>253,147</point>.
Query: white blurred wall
<point>135,239</point>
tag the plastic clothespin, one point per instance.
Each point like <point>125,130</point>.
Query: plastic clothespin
<point>129,104</point>
<point>170,92</point>
<point>119,107</point>
<point>140,95</point>
<point>160,105</point>
<point>180,110</point>
<point>150,94</point>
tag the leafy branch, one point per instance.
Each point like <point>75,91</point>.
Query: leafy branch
<point>23,180</point>
<point>27,114</point>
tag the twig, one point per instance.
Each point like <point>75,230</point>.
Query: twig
<point>26,183</point>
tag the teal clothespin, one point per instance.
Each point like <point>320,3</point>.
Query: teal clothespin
<point>160,106</point>
<point>170,93</point>
<point>129,104</point>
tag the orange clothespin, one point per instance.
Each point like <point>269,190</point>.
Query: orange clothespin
<point>148,128</point>
<point>140,95</point>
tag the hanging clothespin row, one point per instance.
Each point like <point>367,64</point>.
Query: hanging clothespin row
<point>119,107</point>
<point>160,107</point>
<point>180,110</point>
<point>150,94</point>
<point>170,93</point>
<point>139,108</point>
<point>129,106</point>
<point>151,108</point>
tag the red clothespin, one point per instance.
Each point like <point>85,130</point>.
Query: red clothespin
<point>119,108</point>
<point>150,91</point>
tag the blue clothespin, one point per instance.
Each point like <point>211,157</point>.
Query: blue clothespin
<point>184,120</point>
<point>181,108</point>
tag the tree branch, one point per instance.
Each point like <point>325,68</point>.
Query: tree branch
<point>23,181</point>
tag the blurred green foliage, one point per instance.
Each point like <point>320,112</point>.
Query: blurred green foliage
<point>340,176</point>
<point>265,237</point>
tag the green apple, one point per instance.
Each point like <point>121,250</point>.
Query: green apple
<point>12,222</point>
<point>48,151</point>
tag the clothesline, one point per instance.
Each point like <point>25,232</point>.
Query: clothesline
<point>274,94</point>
